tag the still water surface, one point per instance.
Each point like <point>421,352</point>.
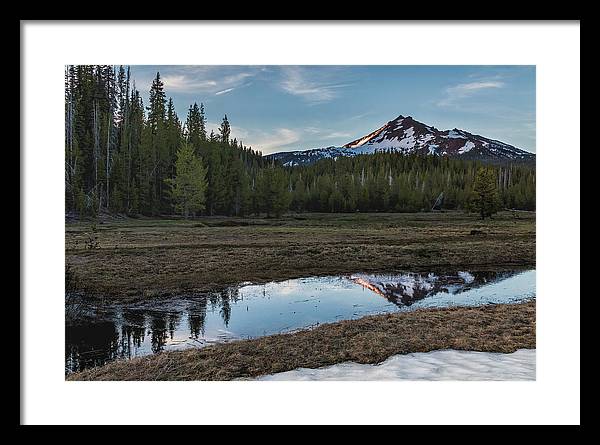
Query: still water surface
<point>101,334</point>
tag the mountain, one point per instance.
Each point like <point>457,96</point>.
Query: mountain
<point>408,136</point>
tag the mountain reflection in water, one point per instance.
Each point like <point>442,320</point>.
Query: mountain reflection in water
<point>98,334</point>
<point>405,289</point>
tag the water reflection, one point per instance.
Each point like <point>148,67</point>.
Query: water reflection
<point>91,345</point>
<point>406,289</point>
<point>106,333</point>
<point>196,316</point>
<point>116,332</point>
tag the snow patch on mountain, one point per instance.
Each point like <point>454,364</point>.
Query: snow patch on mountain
<point>467,147</point>
<point>454,134</point>
<point>432,149</point>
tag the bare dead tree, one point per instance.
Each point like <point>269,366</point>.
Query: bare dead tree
<point>109,130</point>
<point>96,146</point>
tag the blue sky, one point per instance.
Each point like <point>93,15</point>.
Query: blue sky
<point>281,108</point>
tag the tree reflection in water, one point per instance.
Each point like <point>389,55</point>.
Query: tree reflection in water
<point>125,331</point>
<point>133,331</point>
<point>162,328</point>
<point>91,345</point>
<point>196,317</point>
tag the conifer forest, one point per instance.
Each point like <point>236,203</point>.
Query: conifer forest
<point>128,157</point>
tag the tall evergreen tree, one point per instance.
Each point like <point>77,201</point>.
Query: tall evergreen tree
<point>202,123</point>
<point>155,148</point>
<point>272,191</point>
<point>485,199</point>
<point>194,131</point>
<point>224,131</point>
<point>188,187</point>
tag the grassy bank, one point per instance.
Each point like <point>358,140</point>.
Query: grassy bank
<point>372,339</point>
<point>144,258</point>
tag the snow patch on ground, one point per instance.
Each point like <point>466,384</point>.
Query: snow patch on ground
<point>446,364</point>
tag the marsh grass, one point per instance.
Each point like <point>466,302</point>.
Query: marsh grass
<point>143,258</point>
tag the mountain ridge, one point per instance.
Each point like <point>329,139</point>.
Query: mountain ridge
<point>409,136</point>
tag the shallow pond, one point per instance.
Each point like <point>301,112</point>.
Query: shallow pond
<point>97,335</point>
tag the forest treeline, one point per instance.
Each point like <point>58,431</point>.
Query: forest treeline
<point>124,156</point>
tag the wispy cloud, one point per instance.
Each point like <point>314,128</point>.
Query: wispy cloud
<point>313,86</point>
<point>464,89</point>
<point>271,142</point>
<point>323,134</point>
<point>265,141</point>
<point>185,83</point>
<point>200,79</point>
<point>456,93</point>
<point>360,116</point>
<point>337,134</point>
<point>227,90</point>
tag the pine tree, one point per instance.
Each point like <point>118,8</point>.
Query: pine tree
<point>156,107</point>
<point>485,199</point>
<point>224,131</point>
<point>202,123</point>
<point>194,130</point>
<point>155,148</point>
<point>188,187</point>
<point>173,138</point>
<point>273,195</point>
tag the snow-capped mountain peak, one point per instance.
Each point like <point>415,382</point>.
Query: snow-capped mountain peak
<point>407,135</point>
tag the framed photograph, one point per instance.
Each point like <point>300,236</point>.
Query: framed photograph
<point>296,202</point>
